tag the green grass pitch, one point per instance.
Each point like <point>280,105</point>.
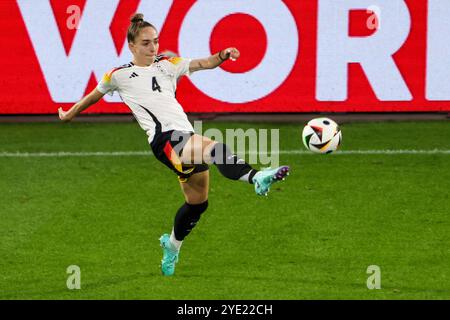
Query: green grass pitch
<point>312,238</point>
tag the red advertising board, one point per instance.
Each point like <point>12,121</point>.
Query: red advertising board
<point>297,56</point>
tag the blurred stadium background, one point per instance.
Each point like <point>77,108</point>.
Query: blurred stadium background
<point>90,194</point>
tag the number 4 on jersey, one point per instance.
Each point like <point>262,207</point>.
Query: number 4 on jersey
<point>155,85</point>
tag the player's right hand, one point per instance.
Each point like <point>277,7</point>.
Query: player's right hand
<point>63,115</point>
<point>232,53</point>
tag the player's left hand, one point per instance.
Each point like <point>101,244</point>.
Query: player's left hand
<point>232,53</point>
<point>63,115</point>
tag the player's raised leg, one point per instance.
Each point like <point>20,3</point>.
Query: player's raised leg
<point>201,149</point>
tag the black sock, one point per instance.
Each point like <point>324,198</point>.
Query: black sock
<point>186,219</point>
<point>229,164</point>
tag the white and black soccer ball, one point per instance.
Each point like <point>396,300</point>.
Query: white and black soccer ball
<point>322,135</point>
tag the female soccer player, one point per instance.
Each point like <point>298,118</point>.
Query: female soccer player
<point>147,86</point>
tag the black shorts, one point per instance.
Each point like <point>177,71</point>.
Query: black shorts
<point>167,147</point>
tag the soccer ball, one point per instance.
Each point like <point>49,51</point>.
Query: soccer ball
<point>322,135</point>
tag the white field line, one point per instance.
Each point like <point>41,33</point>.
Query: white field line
<point>149,153</point>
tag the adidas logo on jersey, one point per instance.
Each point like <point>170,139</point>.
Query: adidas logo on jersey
<point>134,75</point>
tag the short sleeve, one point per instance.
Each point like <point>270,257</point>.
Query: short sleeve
<point>181,66</point>
<point>107,84</point>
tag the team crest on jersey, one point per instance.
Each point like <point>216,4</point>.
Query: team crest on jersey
<point>160,67</point>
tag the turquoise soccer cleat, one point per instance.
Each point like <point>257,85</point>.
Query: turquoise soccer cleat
<point>266,177</point>
<point>170,256</point>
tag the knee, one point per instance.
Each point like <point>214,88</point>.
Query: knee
<point>208,147</point>
<point>196,197</point>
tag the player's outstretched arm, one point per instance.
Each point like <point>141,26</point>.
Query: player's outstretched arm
<point>80,106</point>
<point>215,60</point>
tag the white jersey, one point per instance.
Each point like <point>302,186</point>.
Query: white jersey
<point>150,93</point>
